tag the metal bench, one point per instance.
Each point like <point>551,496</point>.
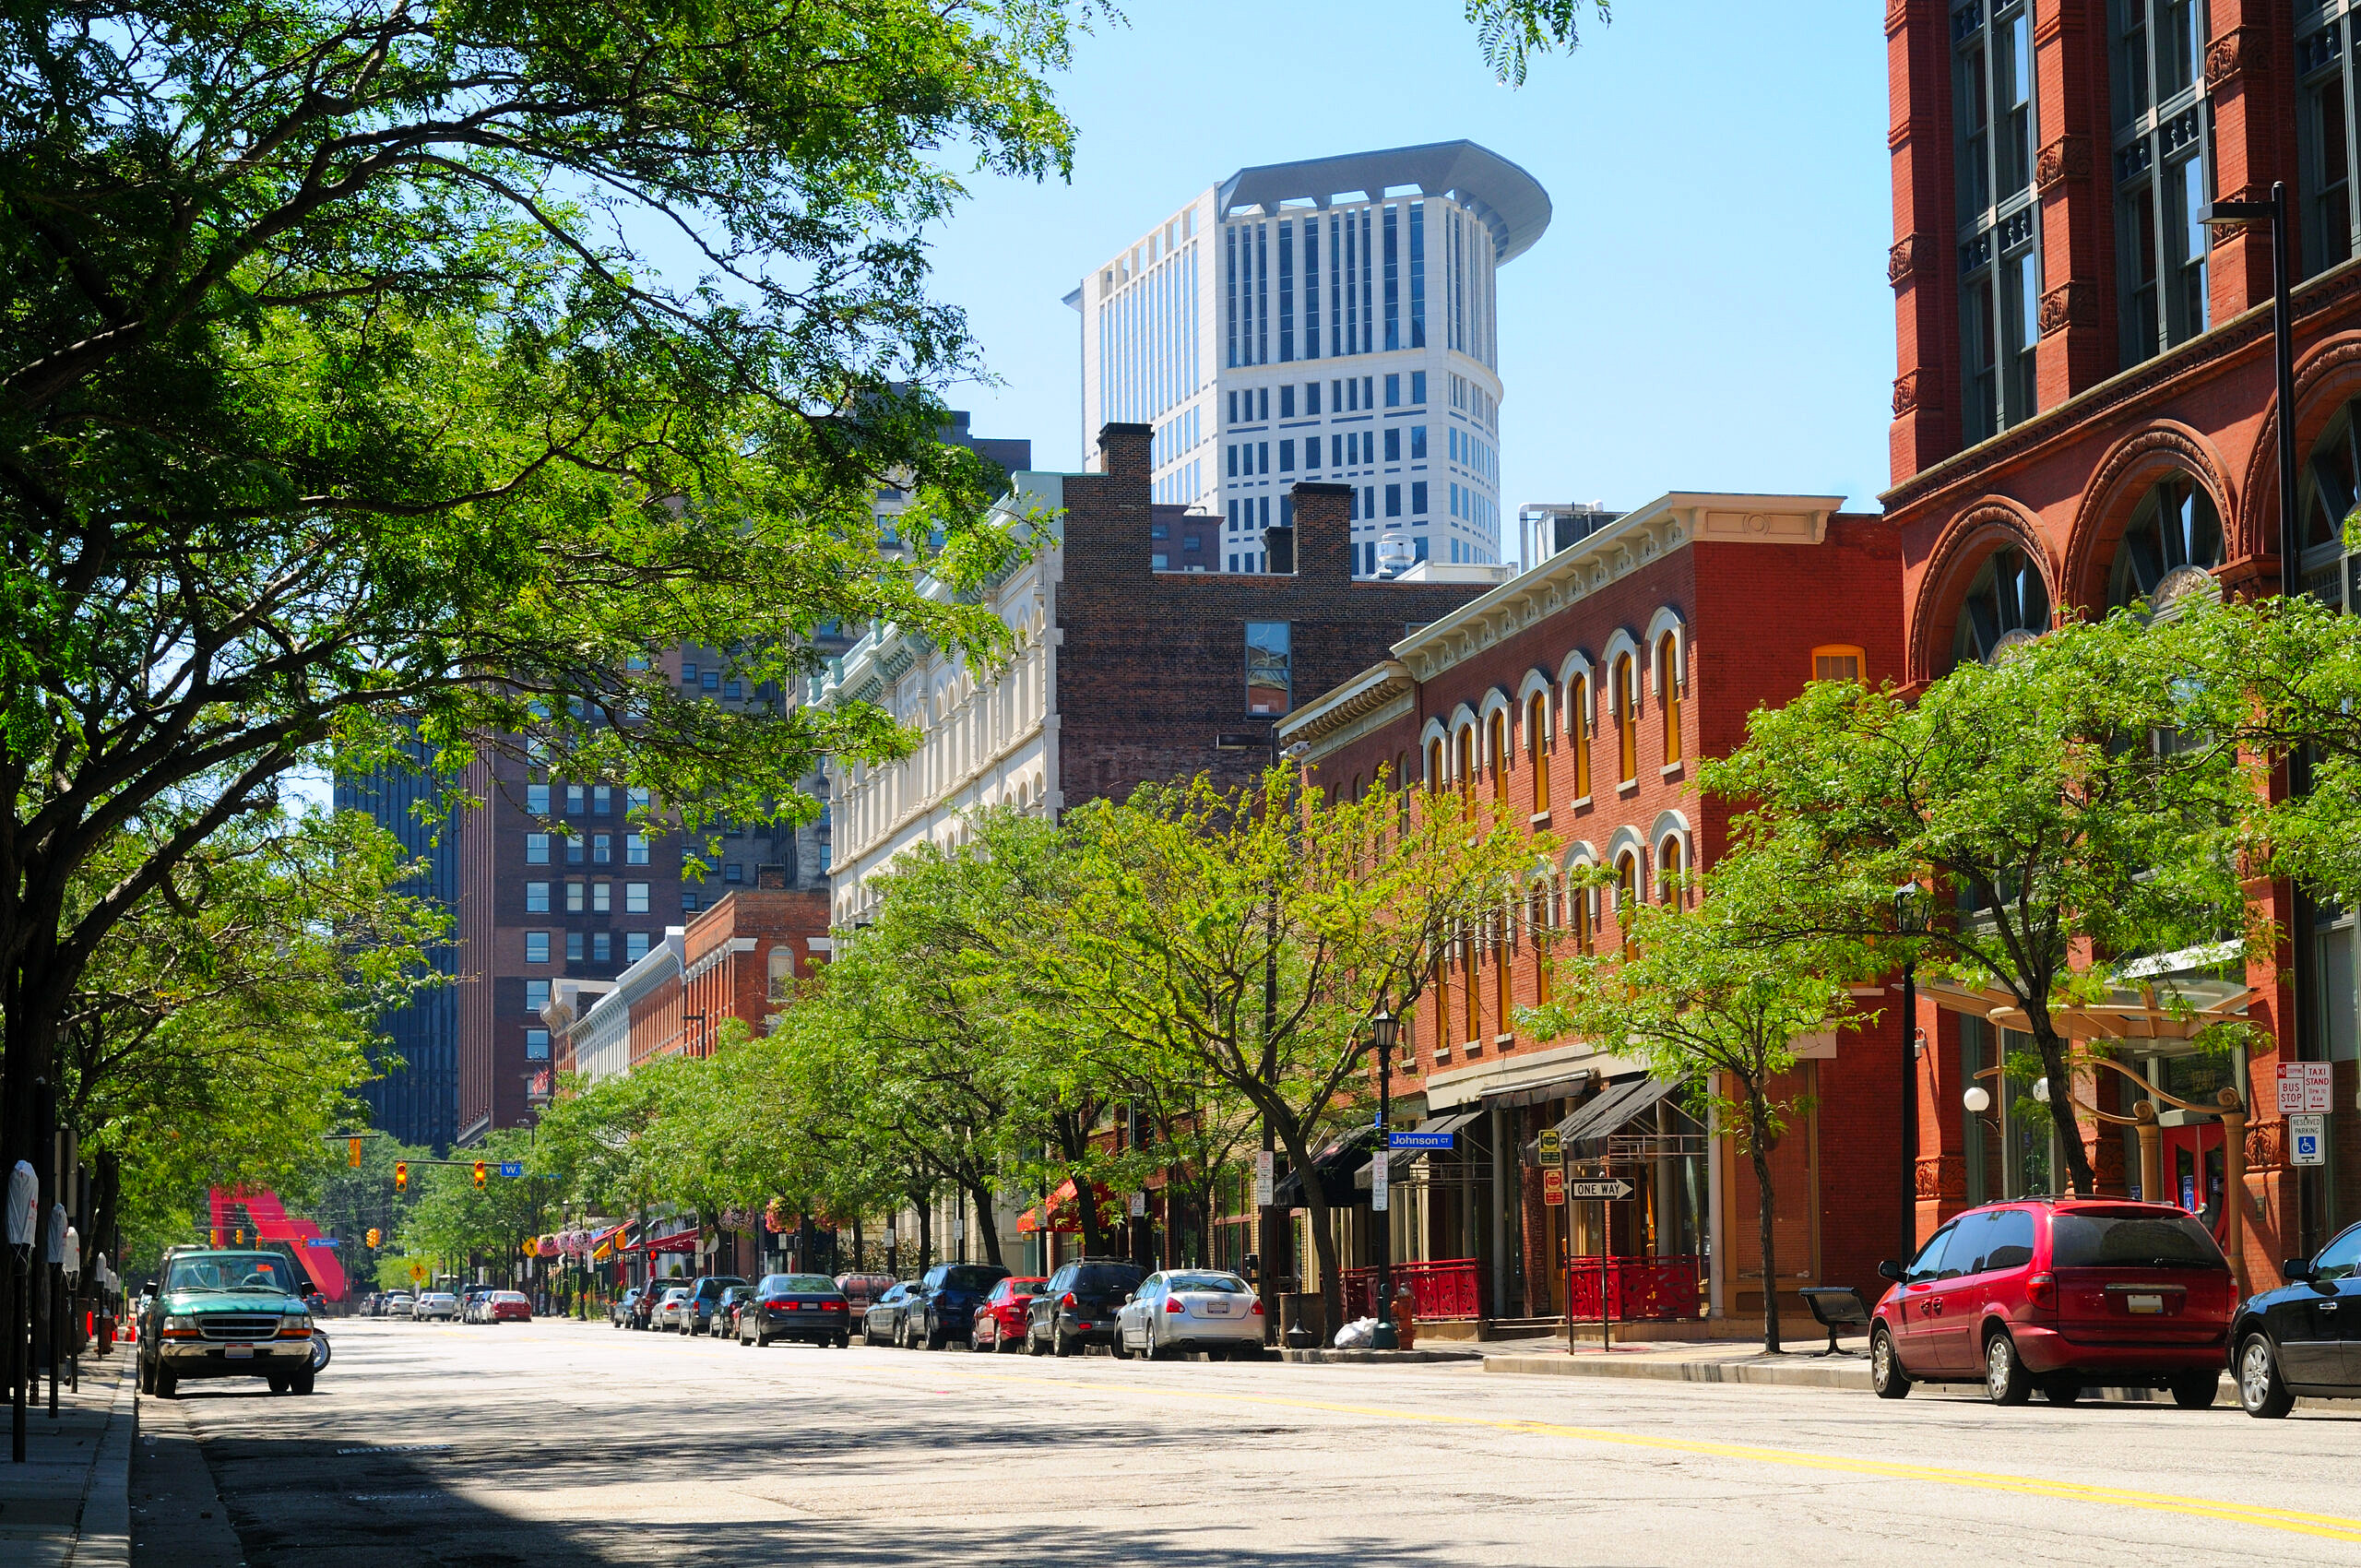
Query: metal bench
<point>1837,1306</point>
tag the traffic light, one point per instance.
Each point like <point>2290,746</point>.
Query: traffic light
<point>352,1153</point>
<point>401,1176</point>
<point>242,1235</point>
<point>478,1173</point>
<point>374,1234</point>
<point>217,1235</point>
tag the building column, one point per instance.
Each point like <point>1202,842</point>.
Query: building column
<point>2249,80</point>
<point>1922,266</point>
<point>2078,347</point>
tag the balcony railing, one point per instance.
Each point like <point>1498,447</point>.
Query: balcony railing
<point>1450,1289</point>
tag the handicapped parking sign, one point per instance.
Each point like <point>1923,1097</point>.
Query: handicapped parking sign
<point>2307,1140</point>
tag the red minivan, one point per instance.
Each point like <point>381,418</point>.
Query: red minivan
<point>2058,1294</point>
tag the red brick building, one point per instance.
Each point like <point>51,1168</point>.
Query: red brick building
<point>1581,694</point>
<point>2085,414</point>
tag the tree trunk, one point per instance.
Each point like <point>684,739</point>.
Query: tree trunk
<point>2062,1107</point>
<point>987,1229</point>
<point>925,1206</point>
<point>1759,1118</point>
<point>1324,1244</point>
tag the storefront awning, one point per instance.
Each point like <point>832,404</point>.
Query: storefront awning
<point>1401,1159</point>
<point>1337,1164</point>
<point>2177,1012</point>
<point>1614,1106</point>
<point>1065,1214</point>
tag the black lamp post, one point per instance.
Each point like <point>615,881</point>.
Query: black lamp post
<point>1384,1030</point>
<point>2283,333</point>
<point>1910,919</point>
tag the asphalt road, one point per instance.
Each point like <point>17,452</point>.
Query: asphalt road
<point>577,1445</point>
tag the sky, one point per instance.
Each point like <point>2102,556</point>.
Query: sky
<point>1708,310</point>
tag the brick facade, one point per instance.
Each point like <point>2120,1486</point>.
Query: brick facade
<point>1731,598</point>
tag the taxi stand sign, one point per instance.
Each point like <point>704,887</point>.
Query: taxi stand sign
<point>2307,1089</point>
<point>1380,1170</point>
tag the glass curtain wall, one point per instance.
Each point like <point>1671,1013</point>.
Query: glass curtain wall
<point>2324,128</point>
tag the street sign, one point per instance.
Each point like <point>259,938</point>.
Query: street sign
<point>1609,1192</point>
<point>418,1271</point>
<point>1266,1176</point>
<point>2306,1088</point>
<point>1139,1205</point>
<point>321,1241</point>
<point>1380,1170</point>
<point>1553,1147</point>
<point>1420,1140</point>
<point>2308,1139</point>
<point>512,1168</point>
<point>1553,1186</point>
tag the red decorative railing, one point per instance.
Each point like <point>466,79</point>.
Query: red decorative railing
<point>1450,1289</point>
<point>1637,1288</point>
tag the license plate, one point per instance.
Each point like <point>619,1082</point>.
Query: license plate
<point>2143,1303</point>
<point>240,1352</point>
<point>1214,1309</point>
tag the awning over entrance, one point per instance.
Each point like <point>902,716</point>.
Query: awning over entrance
<point>676,1242</point>
<point>1336,1163</point>
<point>1065,1214</point>
<point>2179,1011</point>
<point>1616,1105</point>
<point>1401,1159</point>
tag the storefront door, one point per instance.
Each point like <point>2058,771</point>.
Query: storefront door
<point>2194,1170</point>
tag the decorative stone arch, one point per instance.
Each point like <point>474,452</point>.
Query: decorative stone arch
<point>1668,619</point>
<point>1671,827</point>
<point>1628,841</point>
<point>2326,379</point>
<point>1497,700</point>
<point>1577,667</point>
<point>1465,742</point>
<point>1622,643</point>
<point>1981,527</point>
<point>2121,481</point>
<point>1435,732</point>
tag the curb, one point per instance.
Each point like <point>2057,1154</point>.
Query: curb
<point>1775,1374</point>
<point>1392,1357</point>
<point>103,1538</point>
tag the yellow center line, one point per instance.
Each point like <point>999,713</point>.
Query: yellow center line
<point>2327,1527</point>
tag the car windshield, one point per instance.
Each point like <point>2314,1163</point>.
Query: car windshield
<point>970,1278</point>
<point>232,1271</point>
<point>2087,1239</point>
<point>1106,1276</point>
<point>1227,1282</point>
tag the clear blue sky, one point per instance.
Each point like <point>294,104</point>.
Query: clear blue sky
<point>1708,311</point>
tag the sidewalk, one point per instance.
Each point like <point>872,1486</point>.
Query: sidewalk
<point>1703,1360</point>
<point>70,1503</point>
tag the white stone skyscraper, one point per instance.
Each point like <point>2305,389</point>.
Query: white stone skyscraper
<point>1332,319</point>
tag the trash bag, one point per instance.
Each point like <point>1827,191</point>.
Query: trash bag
<point>1357,1335</point>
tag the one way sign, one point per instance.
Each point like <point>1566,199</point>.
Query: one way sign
<point>1610,1191</point>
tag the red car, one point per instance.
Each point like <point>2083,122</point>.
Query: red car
<point>509,1306</point>
<point>2058,1294</point>
<point>1000,1322</point>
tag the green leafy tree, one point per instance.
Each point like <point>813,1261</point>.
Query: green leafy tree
<point>2071,805</point>
<point>1693,994</point>
<point>1253,934</point>
<point>344,398</point>
<point>1513,32</point>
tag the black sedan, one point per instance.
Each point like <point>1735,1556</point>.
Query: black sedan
<point>1078,1306</point>
<point>888,1317</point>
<point>2301,1338</point>
<point>796,1306</point>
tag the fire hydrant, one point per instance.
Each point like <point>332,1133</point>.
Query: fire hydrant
<point>1405,1319</point>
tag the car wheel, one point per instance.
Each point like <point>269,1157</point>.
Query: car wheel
<point>901,1335</point>
<point>1006,1345</point>
<point>2004,1376</point>
<point>868,1335</point>
<point>300,1383</point>
<point>2260,1391</point>
<point>2063,1391</point>
<point>1887,1378</point>
<point>1033,1345</point>
<point>2196,1391</point>
<point>1117,1348</point>
<point>147,1376</point>
<point>935,1337</point>
<point>168,1383</point>
<point>1059,1344</point>
<point>278,1381</point>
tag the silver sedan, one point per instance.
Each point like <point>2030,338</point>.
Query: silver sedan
<point>672,1311</point>
<point>1182,1310</point>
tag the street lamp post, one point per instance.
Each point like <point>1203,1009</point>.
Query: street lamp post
<point>1909,918</point>
<point>2283,335</point>
<point>1383,1029</point>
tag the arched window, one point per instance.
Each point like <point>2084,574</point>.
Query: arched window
<point>1627,886</point>
<point>1537,741</point>
<point>1498,732</point>
<point>1668,869</point>
<point>1541,916</point>
<point>1467,758</point>
<point>1627,721</point>
<point>1669,694</point>
<point>1580,906</point>
<point>1578,729</point>
<point>1469,988</point>
<point>2171,545</point>
<point>2007,603</point>
<point>2330,488</point>
<point>1434,765</point>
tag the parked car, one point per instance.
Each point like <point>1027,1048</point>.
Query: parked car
<point>704,1293</point>
<point>863,1289</point>
<point>888,1317</point>
<point>944,1301</point>
<point>2058,1294</point>
<point>472,1300</point>
<point>623,1311</point>
<point>227,1313</point>
<point>397,1304</point>
<point>723,1324</point>
<point>651,1297</point>
<point>2305,1338</point>
<point>1078,1306</point>
<point>1179,1310</point>
<point>1000,1322</point>
<point>672,1310</point>
<point>509,1306</point>
<point>435,1306</point>
<point>796,1306</point>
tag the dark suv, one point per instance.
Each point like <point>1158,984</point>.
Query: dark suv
<point>945,1299</point>
<point>1078,1306</point>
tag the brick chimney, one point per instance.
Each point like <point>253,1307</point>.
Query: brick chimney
<point>1123,451</point>
<point>1323,532</point>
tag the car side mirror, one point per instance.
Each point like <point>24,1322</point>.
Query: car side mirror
<point>2298,1270</point>
<point>1890,1269</point>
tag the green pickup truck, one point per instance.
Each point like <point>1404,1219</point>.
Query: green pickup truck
<point>227,1315</point>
